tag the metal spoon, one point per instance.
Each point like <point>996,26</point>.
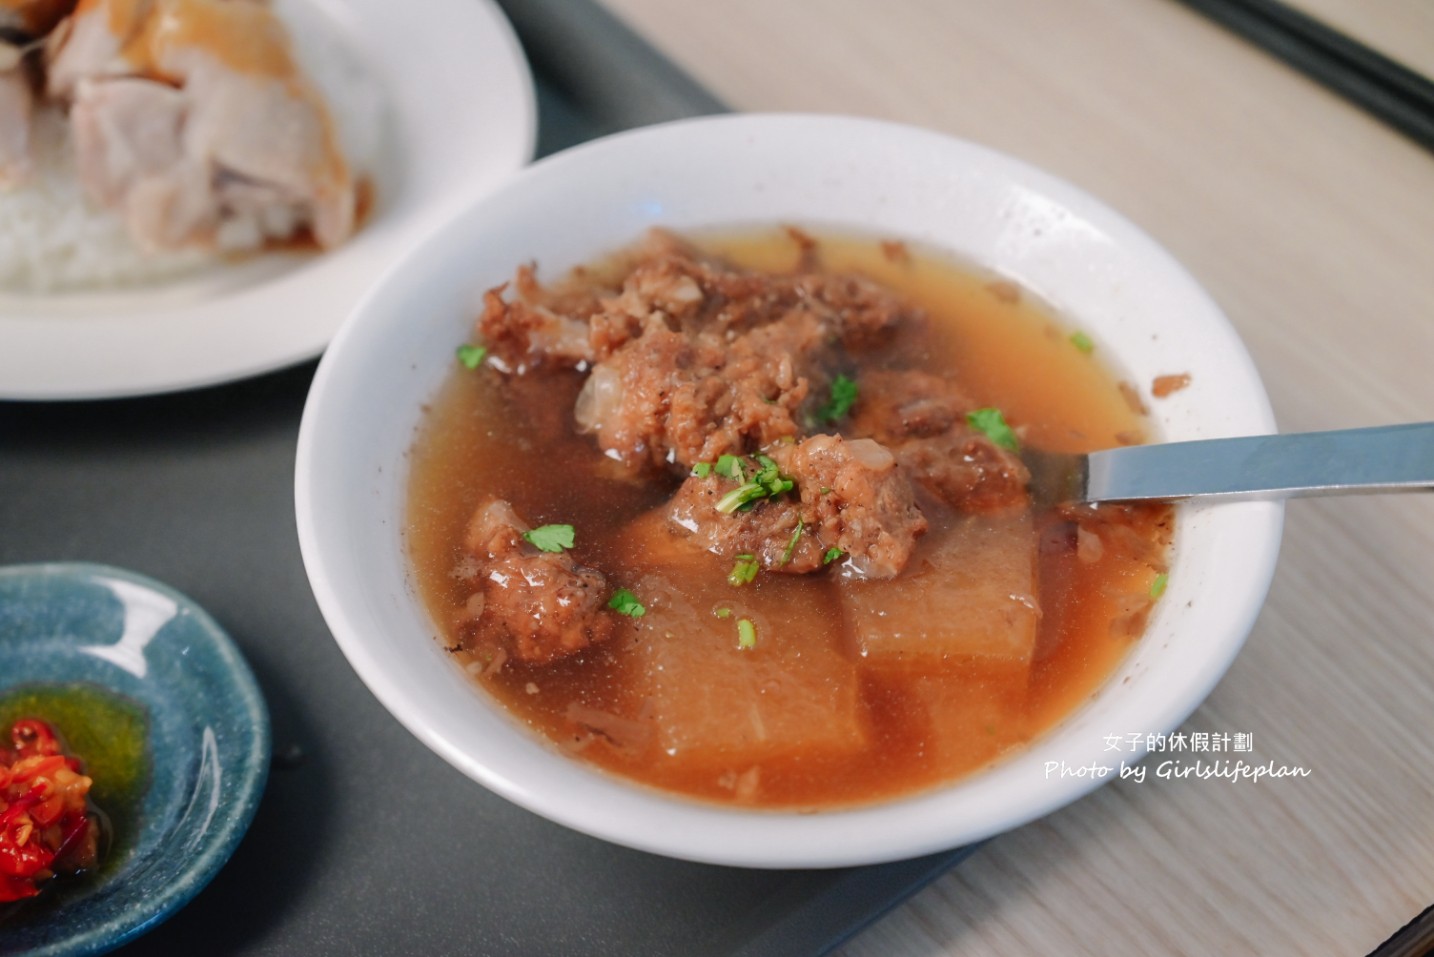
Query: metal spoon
<point>1385,458</point>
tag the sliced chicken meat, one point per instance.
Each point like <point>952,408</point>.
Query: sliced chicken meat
<point>127,132</point>
<point>194,120</point>
<point>22,24</point>
<point>15,107</point>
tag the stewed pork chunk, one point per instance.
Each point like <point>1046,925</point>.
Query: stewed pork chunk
<point>542,604</point>
<point>847,502</point>
<point>700,369</point>
<point>690,358</point>
<point>922,418</point>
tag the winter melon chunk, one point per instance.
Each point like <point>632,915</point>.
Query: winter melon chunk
<point>716,703</point>
<point>968,594</point>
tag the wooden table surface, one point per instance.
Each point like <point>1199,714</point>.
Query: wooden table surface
<point>1313,226</point>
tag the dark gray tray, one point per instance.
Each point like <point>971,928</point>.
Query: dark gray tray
<point>366,842</point>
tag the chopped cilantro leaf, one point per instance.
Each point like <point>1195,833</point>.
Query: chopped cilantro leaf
<point>771,479</point>
<point>739,496</point>
<point>702,469</point>
<point>832,554</point>
<point>993,425</point>
<point>792,544</point>
<point>766,481</point>
<point>730,466</point>
<point>625,602</point>
<point>1157,587</point>
<point>746,633</point>
<point>1082,342</point>
<point>744,570</point>
<point>843,397</point>
<point>471,356</point>
<point>550,538</point>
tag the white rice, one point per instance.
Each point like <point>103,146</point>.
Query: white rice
<point>53,240</point>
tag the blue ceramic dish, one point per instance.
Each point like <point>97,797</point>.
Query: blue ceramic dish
<point>207,742</point>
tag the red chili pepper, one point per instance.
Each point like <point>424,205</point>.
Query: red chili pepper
<point>48,811</point>
<point>41,822</point>
<point>16,889</point>
<point>42,768</point>
<point>32,736</point>
<point>24,860</point>
<point>20,806</point>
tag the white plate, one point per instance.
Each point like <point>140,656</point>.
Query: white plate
<point>459,116</point>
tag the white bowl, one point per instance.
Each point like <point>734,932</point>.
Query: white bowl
<point>1102,272</point>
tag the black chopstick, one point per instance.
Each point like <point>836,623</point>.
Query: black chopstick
<point>1396,94</point>
<point>1414,939</point>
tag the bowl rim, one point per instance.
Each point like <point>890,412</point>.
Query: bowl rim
<point>775,838</point>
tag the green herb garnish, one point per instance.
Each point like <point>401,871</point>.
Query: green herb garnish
<point>702,469</point>
<point>771,478</point>
<point>768,481</point>
<point>1157,587</point>
<point>739,496</point>
<point>746,633</point>
<point>843,397</point>
<point>730,466</point>
<point>471,356</point>
<point>832,554</point>
<point>1082,342</point>
<point>744,570</point>
<point>723,612</point>
<point>792,544</point>
<point>625,602</point>
<point>550,538</point>
<point>992,424</point>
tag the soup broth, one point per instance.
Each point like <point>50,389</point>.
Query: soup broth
<point>841,686</point>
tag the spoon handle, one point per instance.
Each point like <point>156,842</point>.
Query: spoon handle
<point>1380,459</point>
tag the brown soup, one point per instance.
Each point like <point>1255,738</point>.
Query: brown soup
<point>850,683</point>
